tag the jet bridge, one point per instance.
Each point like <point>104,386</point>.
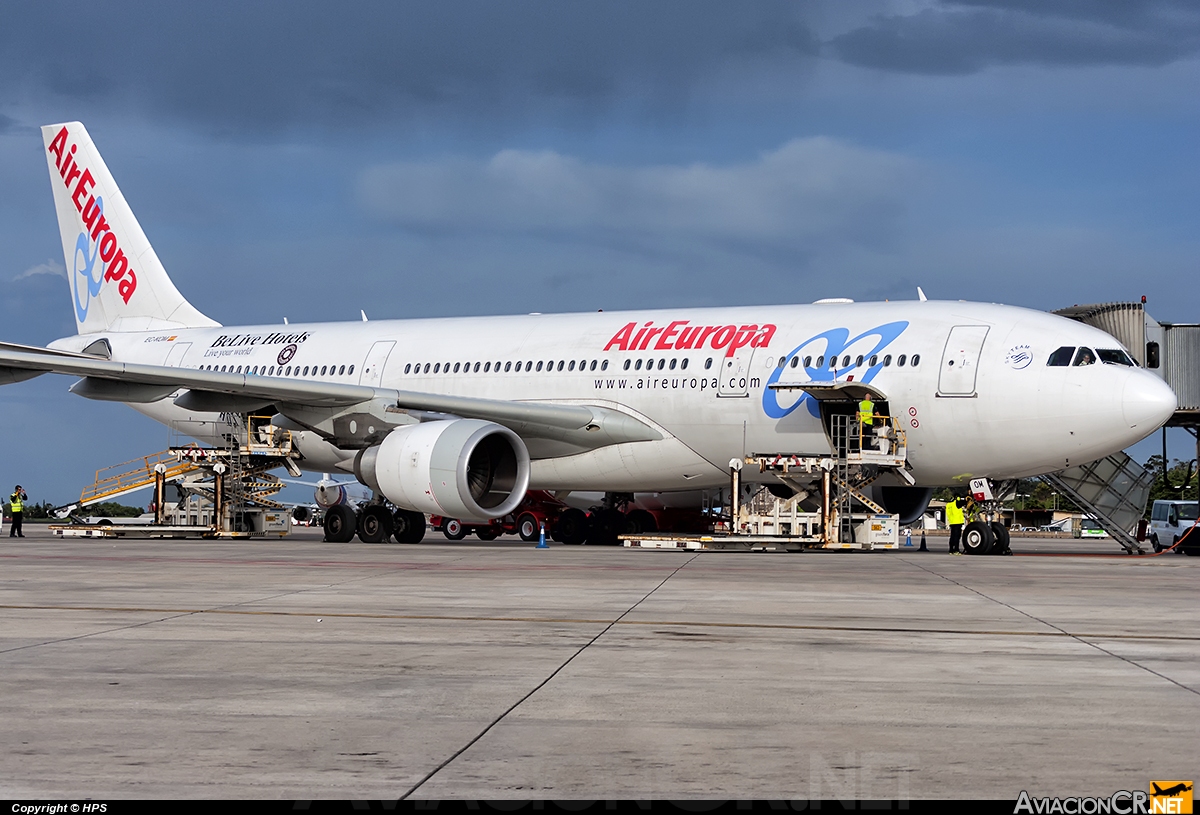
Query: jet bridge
<point>1115,490</point>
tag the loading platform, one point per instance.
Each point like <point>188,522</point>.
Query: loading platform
<point>221,492</point>
<point>828,506</point>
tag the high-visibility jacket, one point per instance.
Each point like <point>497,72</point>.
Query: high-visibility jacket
<point>866,411</point>
<point>954,513</point>
<point>14,503</point>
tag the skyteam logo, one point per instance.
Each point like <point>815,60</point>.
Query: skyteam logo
<point>822,352</point>
<point>88,275</point>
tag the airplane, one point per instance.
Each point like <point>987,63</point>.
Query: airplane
<point>460,417</point>
<point>1170,792</point>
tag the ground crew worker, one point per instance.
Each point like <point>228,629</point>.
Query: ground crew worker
<point>954,520</point>
<point>16,505</point>
<point>866,418</point>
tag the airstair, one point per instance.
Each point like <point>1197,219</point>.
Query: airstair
<point>1113,490</point>
<point>223,491</point>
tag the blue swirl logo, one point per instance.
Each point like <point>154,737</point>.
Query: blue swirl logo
<point>86,282</point>
<point>835,342</point>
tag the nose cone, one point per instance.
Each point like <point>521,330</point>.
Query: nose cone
<point>1147,402</point>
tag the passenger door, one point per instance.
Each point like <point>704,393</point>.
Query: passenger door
<point>372,370</point>
<point>960,360</point>
<point>178,352</point>
<point>735,373</point>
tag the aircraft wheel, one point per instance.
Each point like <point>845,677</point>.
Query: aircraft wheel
<point>486,533</point>
<point>640,522</point>
<point>408,526</point>
<point>607,526</point>
<point>572,526</point>
<point>340,524</point>
<point>374,524</point>
<point>977,538</point>
<point>1000,538</point>
<point>452,528</point>
<point>528,527</point>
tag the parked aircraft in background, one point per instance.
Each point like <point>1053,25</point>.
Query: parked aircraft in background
<point>459,417</point>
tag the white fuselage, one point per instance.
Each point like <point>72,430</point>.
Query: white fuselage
<point>980,400</point>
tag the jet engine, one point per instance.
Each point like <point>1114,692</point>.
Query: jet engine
<point>457,468</point>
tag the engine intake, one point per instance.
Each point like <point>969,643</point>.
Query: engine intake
<point>458,468</point>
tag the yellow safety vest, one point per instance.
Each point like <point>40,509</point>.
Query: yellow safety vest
<point>954,513</point>
<point>14,502</point>
<point>866,411</point>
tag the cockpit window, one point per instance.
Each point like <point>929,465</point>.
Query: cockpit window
<point>1085,356</point>
<point>1062,357</point>
<point>1114,356</point>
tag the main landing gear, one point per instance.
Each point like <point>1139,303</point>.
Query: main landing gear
<point>375,523</point>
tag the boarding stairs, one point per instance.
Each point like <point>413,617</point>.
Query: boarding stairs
<point>1113,490</point>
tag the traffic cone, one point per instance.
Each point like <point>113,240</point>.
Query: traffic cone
<point>923,548</point>
<point>908,537</point>
<point>542,538</point>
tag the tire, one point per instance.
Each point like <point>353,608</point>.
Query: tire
<point>1154,542</point>
<point>453,529</point>
<point>408,526</point>
<point>640,522</point>
<point>528,527</point>
<point>607,527</point>
<point>487,533</point>
<point>573,526</point>
<point>340,524</point>
<point>1000,538</point>
<point>977,538</point>
<point>374,524</point>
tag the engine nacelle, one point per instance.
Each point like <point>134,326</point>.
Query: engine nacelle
<point>457,468</point>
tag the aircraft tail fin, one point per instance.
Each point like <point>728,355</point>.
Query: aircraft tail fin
<point>117,281</point>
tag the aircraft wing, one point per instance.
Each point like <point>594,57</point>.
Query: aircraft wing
<point>320,406</point>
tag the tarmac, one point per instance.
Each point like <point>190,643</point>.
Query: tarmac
<point>297,669</point>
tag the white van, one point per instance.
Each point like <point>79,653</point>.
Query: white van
<point>1169,520</point>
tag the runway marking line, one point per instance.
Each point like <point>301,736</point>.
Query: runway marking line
<point>589,621</point>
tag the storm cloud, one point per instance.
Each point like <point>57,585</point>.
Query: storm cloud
<point>969,35</point>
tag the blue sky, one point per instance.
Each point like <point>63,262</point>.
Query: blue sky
<point>435,158</point>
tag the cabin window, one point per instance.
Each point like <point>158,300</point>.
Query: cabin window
<point>900,361</point>
<point>887,360</point>
<point>637,366</point>
<point>673,364</point>
<point>539,365</point>
<point>874,359</point>
<point>1062,357</point>
<point>487,366</point>
<point>916,358</point>
<point>604,365</point>
<point>846,361</point>
<point>808,362</point>
<point>625,367</point>
<point>324,368</point>
<point>1084,356</point>
<point>592,367</point>
<point>350,370</point>
<point>708,363</point>
<point>560,365</point>
<point>571,366</point>
<point>683,365</point>
<point>662,364</point>
<point>858,362</point>
<point>820,361</point>
<point>507,367</point>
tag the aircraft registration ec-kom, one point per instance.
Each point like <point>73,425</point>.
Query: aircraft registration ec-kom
<point>460,417</point>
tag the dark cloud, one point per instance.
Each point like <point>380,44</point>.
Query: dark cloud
<point>262,66</point>
<point>968,36</point>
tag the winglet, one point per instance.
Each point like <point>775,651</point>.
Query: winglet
<point>921,295</point>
